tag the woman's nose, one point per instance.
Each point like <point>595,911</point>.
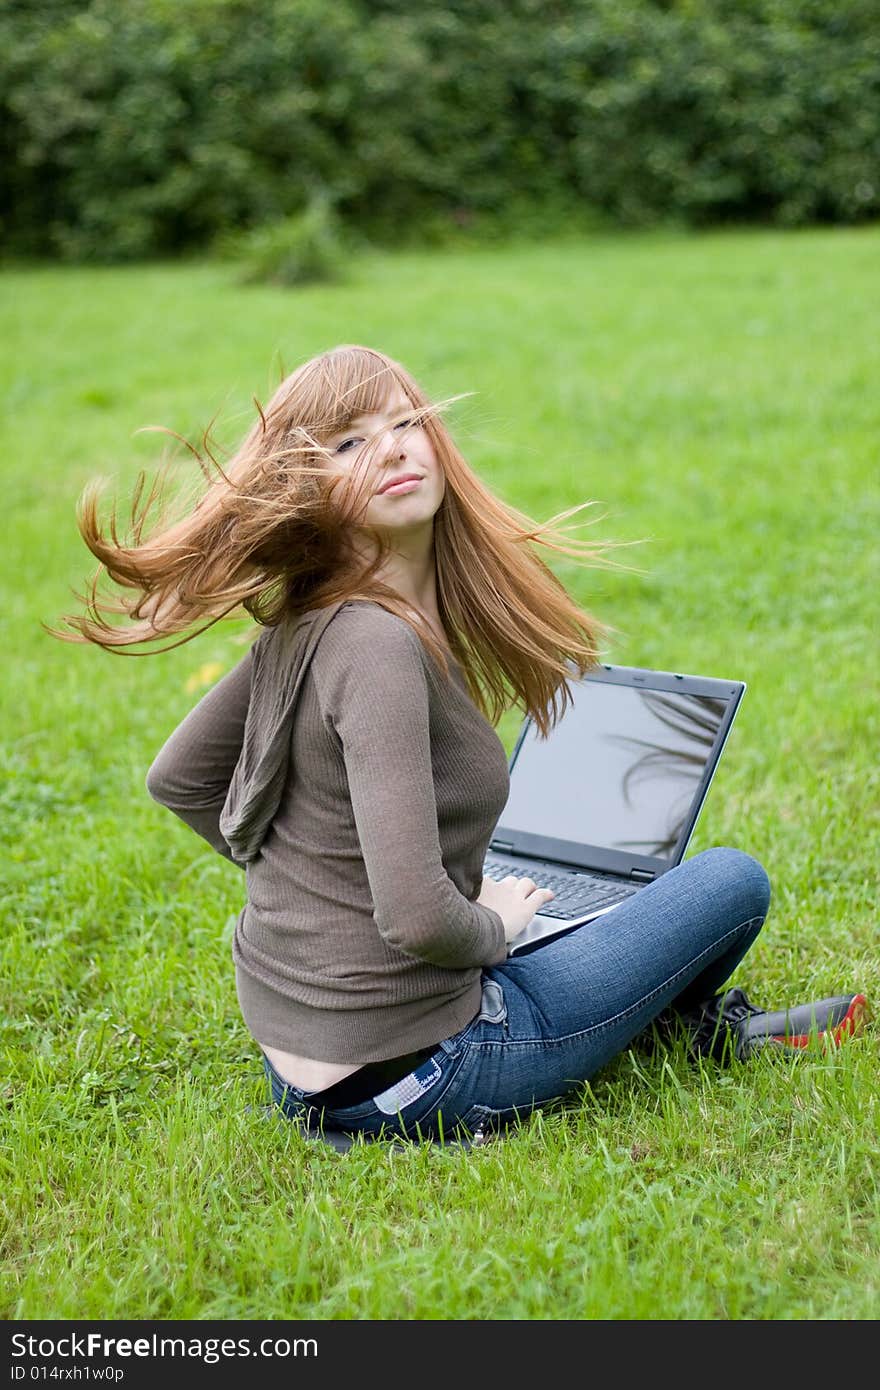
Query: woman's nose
<point>391,444</point>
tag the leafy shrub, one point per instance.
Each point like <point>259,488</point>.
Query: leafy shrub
<point>305,248</point>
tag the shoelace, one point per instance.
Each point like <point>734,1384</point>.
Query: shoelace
<point>731,1007</point>
<point>709,1026</point>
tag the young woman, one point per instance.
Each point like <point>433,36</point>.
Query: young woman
<point>350,766</point>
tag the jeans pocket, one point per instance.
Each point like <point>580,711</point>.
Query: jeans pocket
<point>481,1122</point>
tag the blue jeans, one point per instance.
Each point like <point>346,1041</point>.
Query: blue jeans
<point>551,1019</point>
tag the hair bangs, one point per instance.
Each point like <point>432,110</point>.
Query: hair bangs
<point>348,383</point>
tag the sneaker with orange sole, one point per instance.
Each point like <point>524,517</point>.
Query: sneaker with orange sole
<point>730,1025</point>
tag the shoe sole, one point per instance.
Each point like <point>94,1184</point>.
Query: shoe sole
<point>852,1023</point>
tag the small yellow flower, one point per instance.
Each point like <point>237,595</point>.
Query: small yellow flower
<point>205,675</point>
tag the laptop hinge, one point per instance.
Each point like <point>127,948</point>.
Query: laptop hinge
<point>503,845</point>
<point>643,875</point>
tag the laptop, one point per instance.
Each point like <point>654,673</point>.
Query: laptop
<point>610,799</point>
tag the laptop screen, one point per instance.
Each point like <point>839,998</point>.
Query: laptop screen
<point>621,770</point>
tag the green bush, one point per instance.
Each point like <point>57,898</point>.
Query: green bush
<point>152,127</point>
<point>306,248</point>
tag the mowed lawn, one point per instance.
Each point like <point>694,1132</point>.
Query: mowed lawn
<point>717,396</point>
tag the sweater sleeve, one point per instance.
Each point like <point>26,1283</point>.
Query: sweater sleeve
<point>373,688</point>
<point>192,771</point>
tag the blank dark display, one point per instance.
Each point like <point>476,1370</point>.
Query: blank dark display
<point>620,770</point>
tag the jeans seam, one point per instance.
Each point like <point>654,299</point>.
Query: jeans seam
<point>634,1008</point>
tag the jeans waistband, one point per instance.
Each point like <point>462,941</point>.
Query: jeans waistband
<point>369,1081</point>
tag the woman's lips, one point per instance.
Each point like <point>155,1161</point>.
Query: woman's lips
<point>399,488</point>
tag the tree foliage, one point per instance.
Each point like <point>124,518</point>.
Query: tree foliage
<point>153,127</point>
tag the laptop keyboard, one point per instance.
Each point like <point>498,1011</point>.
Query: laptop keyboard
<point>575,892</point>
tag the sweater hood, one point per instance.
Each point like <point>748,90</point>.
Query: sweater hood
<point>280,659</point>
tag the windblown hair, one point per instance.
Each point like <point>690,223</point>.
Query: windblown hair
<point>272,534</point>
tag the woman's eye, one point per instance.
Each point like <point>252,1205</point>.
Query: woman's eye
<point>346,444</point>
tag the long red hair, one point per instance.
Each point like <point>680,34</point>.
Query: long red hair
<point>270,535</point>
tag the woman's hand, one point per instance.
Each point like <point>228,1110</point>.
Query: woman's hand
<point>516,900</point>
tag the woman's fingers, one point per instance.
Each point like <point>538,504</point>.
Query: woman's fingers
<point>529,885</point>
<point>519,882</point>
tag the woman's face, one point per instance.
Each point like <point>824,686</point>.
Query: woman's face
<point>381,449</point>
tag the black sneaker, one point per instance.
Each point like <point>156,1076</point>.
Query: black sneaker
<point>729,1025</point>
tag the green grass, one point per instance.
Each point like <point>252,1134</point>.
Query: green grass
<point>717,396</point>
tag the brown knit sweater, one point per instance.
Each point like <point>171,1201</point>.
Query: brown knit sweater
<point>360,788</point>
